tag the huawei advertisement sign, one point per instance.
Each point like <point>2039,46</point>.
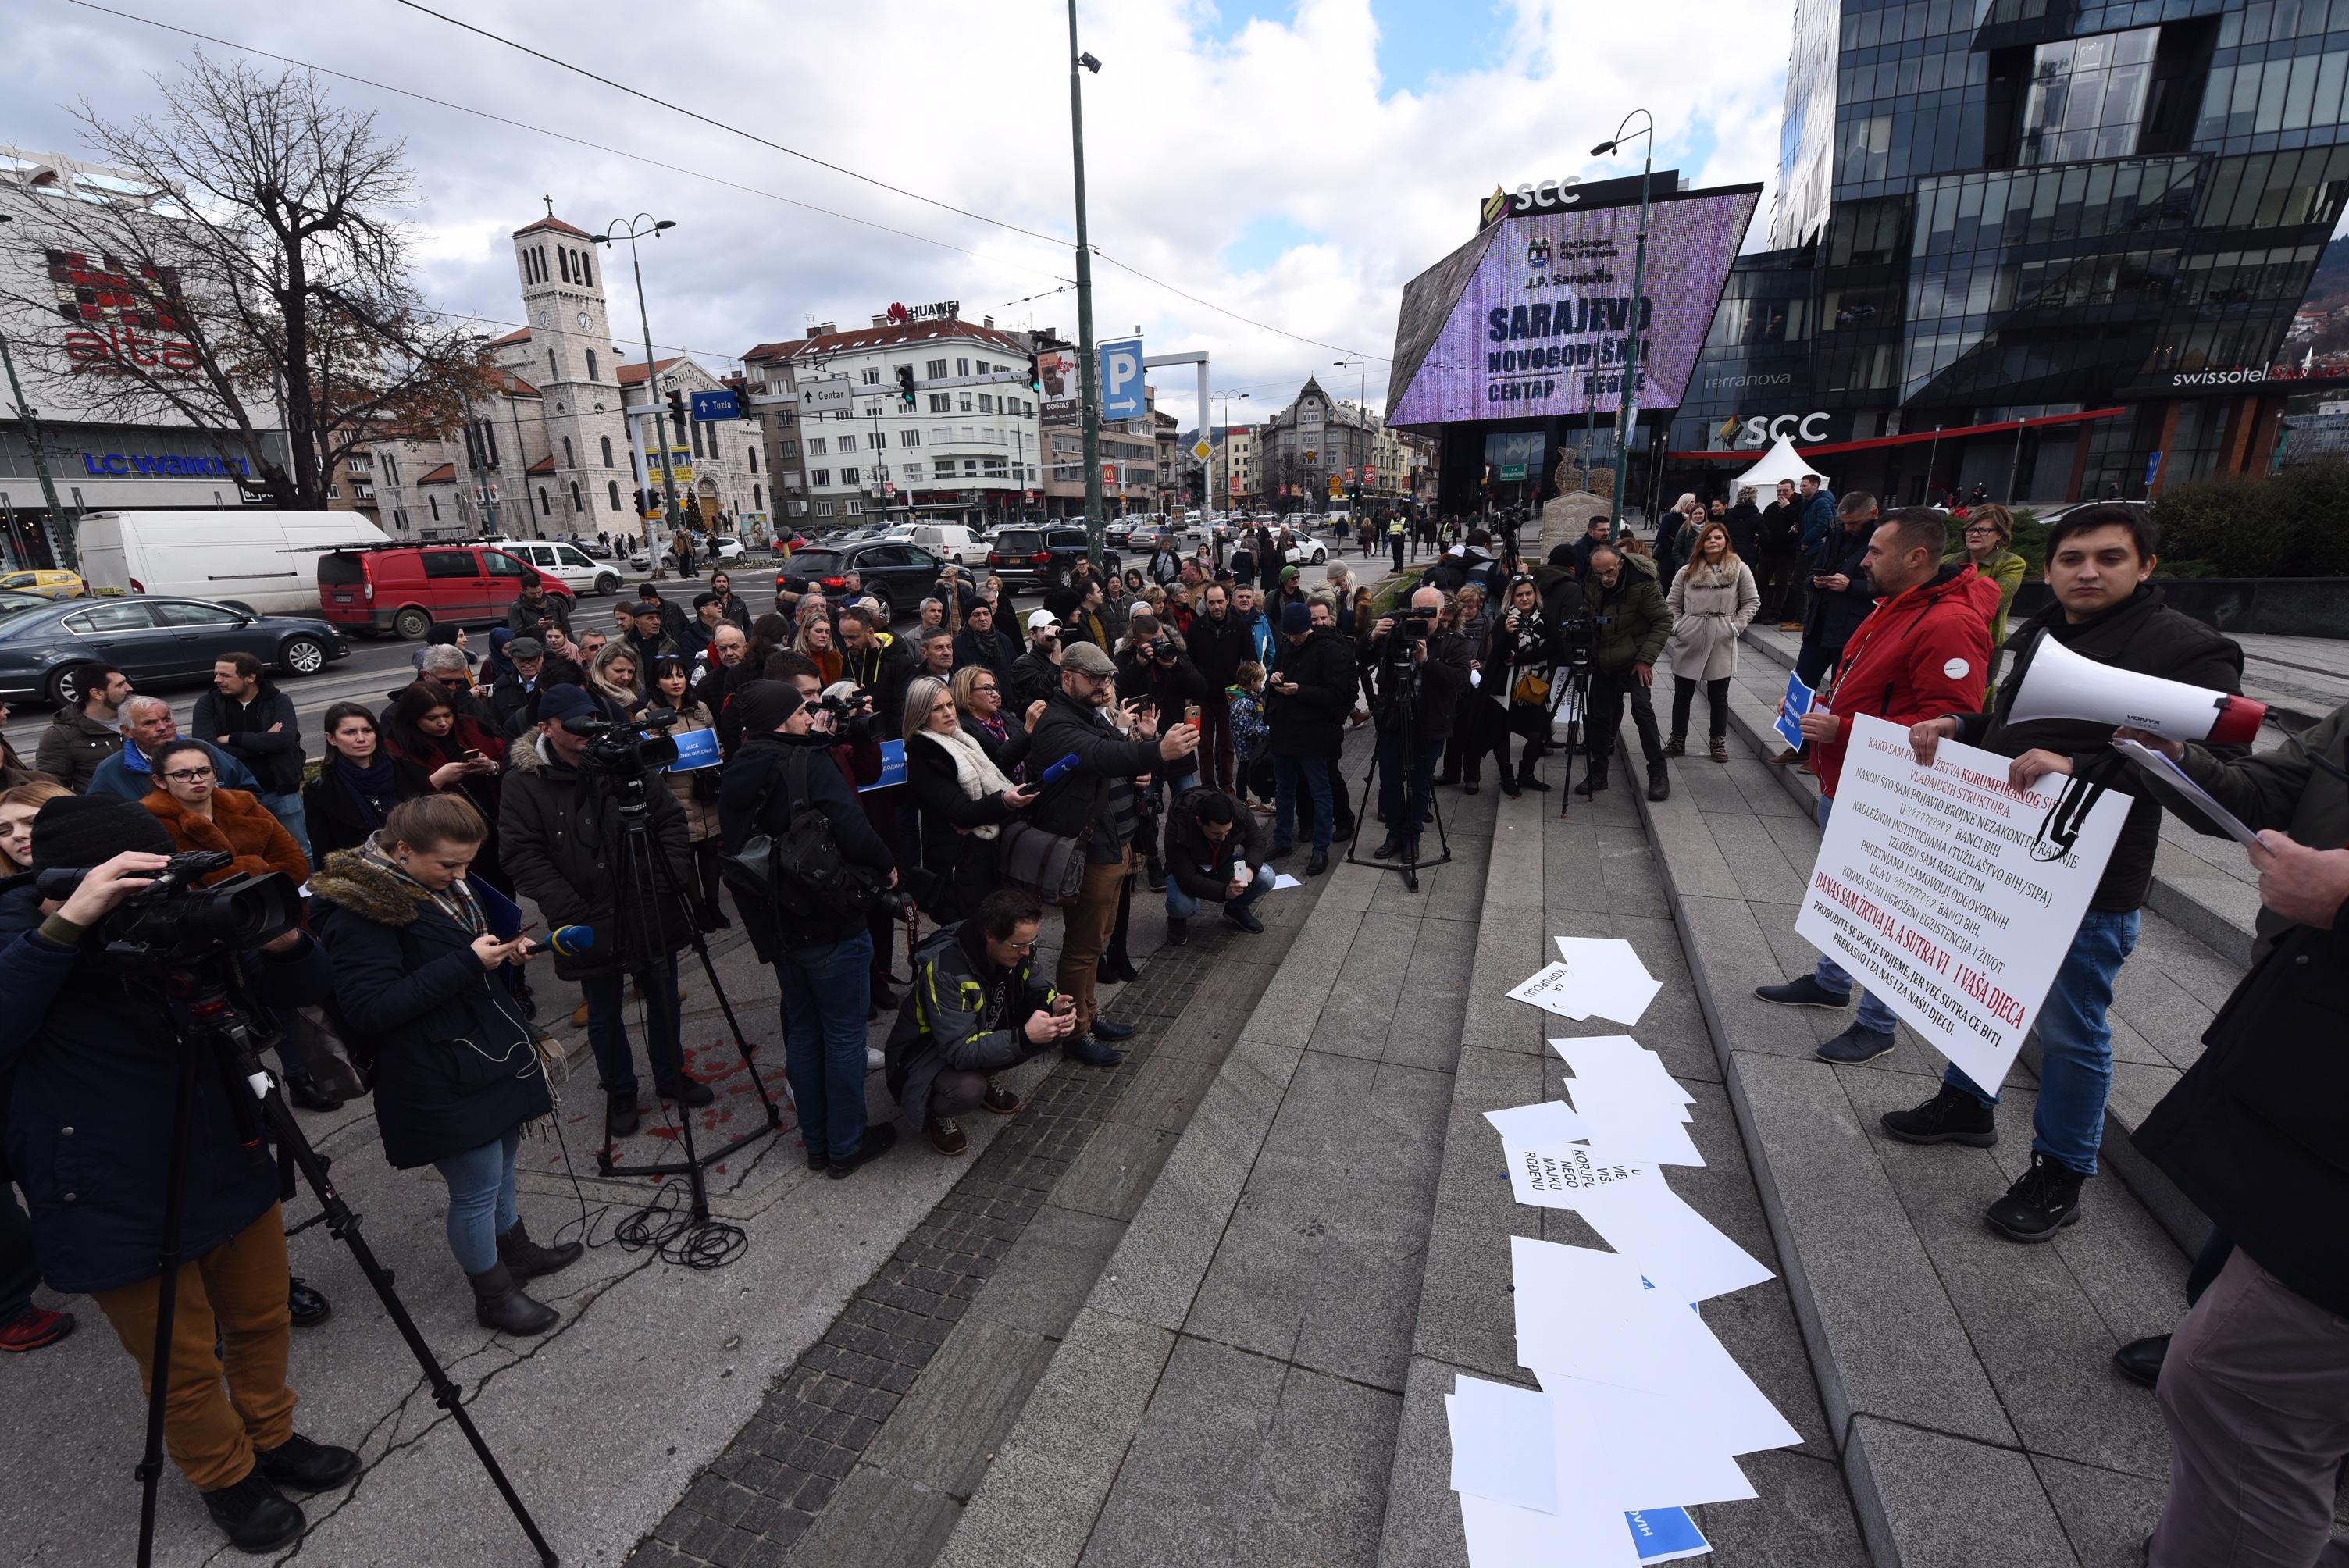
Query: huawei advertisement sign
<point>1546,323</point>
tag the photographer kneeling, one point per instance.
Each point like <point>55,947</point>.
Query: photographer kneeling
<point>824,958</point>
<point>1211,842</point>
<point>96,1064</point>
<point>559,835</point>
<point>456,1073</point>
<point>975,1009</point>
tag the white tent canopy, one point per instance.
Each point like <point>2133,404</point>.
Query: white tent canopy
<point>1780,462</point>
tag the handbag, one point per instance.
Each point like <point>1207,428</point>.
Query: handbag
<point>1530,690</point>
<point>1047,864</point>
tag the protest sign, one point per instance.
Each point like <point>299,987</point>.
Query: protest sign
<point>1950,894</point>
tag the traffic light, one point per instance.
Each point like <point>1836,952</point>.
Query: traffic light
<point>677,411</point>
<point>906,385</point>
<point>1035,374</point>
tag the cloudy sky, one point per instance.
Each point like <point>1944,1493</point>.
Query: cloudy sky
<point>1293,164</point>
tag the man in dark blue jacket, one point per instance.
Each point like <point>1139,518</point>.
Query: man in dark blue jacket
<point>96,1067</point>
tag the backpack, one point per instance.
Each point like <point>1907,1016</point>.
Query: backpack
<point>799,872</point>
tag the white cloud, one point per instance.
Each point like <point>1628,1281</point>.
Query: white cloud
<point>1190,143</point>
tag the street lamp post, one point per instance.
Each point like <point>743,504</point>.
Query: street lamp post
<point>1361,407</point>
<point>1227,397</point>
<point>1088,373</point>
<point>1626,400</point>
<point>29,418</point>
<point>632,233</point>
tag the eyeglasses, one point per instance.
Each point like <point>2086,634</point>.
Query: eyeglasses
<point>188,775</point>
<point>1027,947</point>
<point>990,688</point>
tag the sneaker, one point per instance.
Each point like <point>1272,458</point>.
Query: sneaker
<point>1474,785</point>
<point>1317,864</point>
<point>1952,1116</point>
<point>307,1302</point>
<point>2140,1361</point>
<point>1107,1029</point>
<point>619,1114</point>
<point>1091,1053</point>
<point>686,1092</point>
<point>1719,748</point>
<point>253,1515</point>
<point>2043,1201</point>
<point>947,1136</point>
<point>1676,747</point>
<point>1855,1045</point>
<point>876,1058</point>
<point>1246,918</point>
<point>1805,992</point>
<point>305,1466</point>
<point>1178,931</point>
<point>33,1328</point>
<point>1000,1101</point>
<point>878,1139</point>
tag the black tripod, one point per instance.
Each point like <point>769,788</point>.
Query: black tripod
<point>207,1025</point>
<point>647,891</point>
<point>1399,688</point>
<point>1574,706</point>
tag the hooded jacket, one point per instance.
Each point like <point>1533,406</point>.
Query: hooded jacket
<point>1637,620</point>
<point>1920,656</point>
<point>559,840</point>
<point>455,1066</point>
<point>962,1011</point>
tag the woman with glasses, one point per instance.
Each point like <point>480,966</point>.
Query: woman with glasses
<point>1987,546</point>
<point>965,799</point>
<point>188,800</point>
<point>978,697</point>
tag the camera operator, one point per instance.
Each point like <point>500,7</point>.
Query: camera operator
<point>558,836</point>
<point>96,1071</point>
<point>822,959</point>
<point>1420,670</point>
<point>1621,591</point>
<point>456,1073</point>
<point>976,1008</point>
<point>1095,801</point>
<point>2252,1385</point>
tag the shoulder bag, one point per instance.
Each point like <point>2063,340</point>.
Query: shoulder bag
<point>1047,864</point>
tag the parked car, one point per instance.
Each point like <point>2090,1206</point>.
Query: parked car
<point>726,548</point>
<point>1040,557</point>
<point>567,562</point>
<point>50,651</point>
<point>404,588</point>
<point>946,540</point>
<point>47,584</point>
<point>891,570</point>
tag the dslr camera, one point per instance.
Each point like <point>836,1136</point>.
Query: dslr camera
<point>630,749</point>
<point>171,922</point>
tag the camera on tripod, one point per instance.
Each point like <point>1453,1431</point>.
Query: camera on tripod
<point>1410,626</point>
<point>173,922</point>
<point>628,749</point>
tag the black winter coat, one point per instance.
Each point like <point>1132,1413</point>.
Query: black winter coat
<point>273,756</point>
<point>1067,728</point>
<point>455,1066</point>
<point>740,817</point>
<point>1220,648</point>
<point>963,865</point>
<point>96,1076</point>
<point>1199,866</point>
<point>1034,679</point>
<point>992,649</point>
<point>332,816</point>
<point>1832,618</point>
<point>1169,685</point>
<point>1310,721</point>
<point>1443,684</point>
<point>1744,521</point>
<point>559,841</point>
<point>2142,635</point>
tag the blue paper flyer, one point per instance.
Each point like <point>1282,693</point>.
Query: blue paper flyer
<point>1798,703</point>
<point>695,748</point>
<point>1666,1535</point>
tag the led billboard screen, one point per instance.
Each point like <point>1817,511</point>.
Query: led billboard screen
<point>1543,324</point>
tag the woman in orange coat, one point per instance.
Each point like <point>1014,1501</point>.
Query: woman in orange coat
<point>201,815</point>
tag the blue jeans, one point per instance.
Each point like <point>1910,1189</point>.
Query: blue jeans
<point>1285,773</point>
<point>2076,1043</point>
<point>1873,1016</point>
<point>827,989</point>
<point>1405,826</point>
<point>481,1200</point>
<point>1181,906</point>
<point>607,1027</point>
<point>287,809</point>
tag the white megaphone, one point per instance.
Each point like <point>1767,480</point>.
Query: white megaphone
<point>2061,684</point>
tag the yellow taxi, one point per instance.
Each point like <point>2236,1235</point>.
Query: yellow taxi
<point>47,584</point>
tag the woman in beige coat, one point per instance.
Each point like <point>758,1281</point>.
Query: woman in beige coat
<point>1711,599</point>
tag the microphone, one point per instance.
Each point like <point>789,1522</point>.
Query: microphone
<point>1053,774</point>
<point>572,941</point>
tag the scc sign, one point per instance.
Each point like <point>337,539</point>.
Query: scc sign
<point>1762,428</point>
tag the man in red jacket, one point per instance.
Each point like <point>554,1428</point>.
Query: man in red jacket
<point>1924,651</point>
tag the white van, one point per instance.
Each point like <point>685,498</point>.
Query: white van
<point>559,558</point>
<point>946,540</point>
<point>249,557</point>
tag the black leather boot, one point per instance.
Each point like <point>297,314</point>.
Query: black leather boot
<point>528,1260</point>
<point>500,1304</point>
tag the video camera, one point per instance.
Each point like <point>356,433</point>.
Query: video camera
<point>852,717</point>
<point>624,750</point>
<point>171,922</point>
<point>1411,625</point>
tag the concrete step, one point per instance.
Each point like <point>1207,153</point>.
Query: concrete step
<point>1591,873</point>
<point>1966,1381</point>
<point>2201,884</point>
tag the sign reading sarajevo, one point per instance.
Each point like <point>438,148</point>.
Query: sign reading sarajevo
<point>1951,895</point>
<point>1544,323</point>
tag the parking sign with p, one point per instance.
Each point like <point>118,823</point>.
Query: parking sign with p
<point>1121,380</point>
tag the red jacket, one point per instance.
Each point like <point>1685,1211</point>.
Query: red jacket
<point>1918,656</point>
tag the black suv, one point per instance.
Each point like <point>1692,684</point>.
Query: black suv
<point>1040,557</point>
<point>891,570</point>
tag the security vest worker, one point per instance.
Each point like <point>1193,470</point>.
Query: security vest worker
<point>1395,535</point>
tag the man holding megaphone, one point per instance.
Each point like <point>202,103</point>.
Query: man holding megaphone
<point>2098,561</point>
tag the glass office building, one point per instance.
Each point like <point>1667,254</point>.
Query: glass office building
<point>2050,248</point>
